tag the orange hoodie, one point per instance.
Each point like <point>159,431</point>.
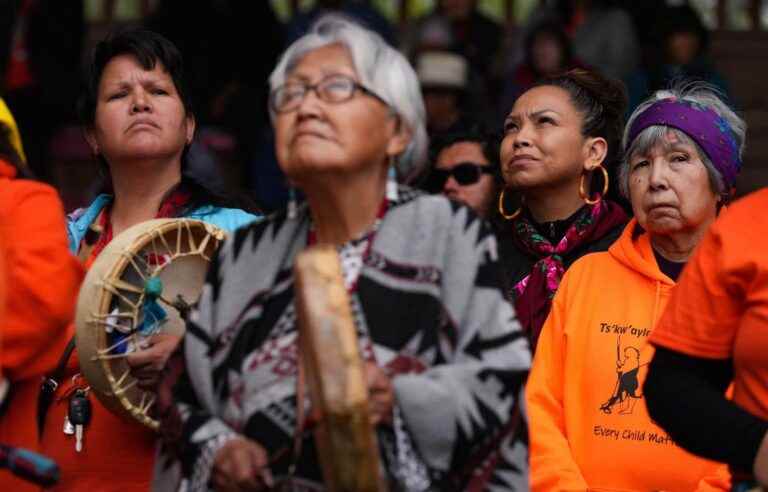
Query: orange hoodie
<point>41,280</point>
<point>589,427</point>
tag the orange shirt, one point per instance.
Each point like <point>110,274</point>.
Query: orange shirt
<point>3,282</point>
<point>42,279</point>
<point>118,454</point>
<point>720,308</point>
<point>589,427</point>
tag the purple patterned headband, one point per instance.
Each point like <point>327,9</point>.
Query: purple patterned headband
<point>704,126</point>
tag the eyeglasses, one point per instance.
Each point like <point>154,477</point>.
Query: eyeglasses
<point>465,173</point>
<point>333,89</point>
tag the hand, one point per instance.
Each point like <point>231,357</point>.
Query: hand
<point>241,465</point>
<point>147,365</point>
<point>381,395</point>
<point>760,467</point>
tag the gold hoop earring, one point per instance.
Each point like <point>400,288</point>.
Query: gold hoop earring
<point>583,192</point>
<point>506,216</point>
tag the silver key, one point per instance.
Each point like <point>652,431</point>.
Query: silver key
<point>69,429</point>
<point>78,438</point>
<point>79,415</point>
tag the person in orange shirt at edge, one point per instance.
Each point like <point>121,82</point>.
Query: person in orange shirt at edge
<point>41,279</point>
<point>714,332</point>
<point>139,122</point>
<point>589,426</point>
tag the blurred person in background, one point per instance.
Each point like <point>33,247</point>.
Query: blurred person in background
<point>472,34</point>
<point>465,167</point>
<point>357,10</point>
<point>682,53</point>
<point>548,51</point>
<point>604,37</point>
<point>41,43</point>
<point>444,77</point>
<point>602,33</point>
<point>228,90</point>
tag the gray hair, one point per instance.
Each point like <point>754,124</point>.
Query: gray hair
<point>701,94</point>
<point>380,67</point>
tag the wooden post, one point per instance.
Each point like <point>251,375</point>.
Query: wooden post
<point>721,14</point>
<point>146,8</point>
<point>754,13</point>
<point>509,12</point>
<point>109,11</point>
<point>404,6</point>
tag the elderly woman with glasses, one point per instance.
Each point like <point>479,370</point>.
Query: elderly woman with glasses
<point>445,356</point>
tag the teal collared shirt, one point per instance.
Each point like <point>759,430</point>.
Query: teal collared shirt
<point>80,220</point>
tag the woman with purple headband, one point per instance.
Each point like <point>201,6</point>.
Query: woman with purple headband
<point>589,427</point>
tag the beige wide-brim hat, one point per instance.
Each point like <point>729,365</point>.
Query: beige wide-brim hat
<point>442,69</point>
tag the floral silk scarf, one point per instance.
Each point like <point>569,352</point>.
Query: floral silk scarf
<point>534,293</point>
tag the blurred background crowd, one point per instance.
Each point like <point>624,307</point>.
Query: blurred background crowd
<point>473,58</point>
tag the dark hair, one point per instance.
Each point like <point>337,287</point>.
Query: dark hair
<point>602,101</point>
<point>554,29</point>
<point>684,19</point>
<point>8,153</point>
<point>149,48</point>
<point>476,133</point>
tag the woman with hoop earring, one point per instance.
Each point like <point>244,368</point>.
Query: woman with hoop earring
<point>560,138</point>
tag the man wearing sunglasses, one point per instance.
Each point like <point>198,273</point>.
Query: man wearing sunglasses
<point>466,169</point>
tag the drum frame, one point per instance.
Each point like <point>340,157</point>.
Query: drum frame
<point>106,372</point>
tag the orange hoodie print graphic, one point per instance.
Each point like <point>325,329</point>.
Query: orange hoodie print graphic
<point>589,426</point>
<point>627,390</point>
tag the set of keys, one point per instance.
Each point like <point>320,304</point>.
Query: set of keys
<point>78,416</point>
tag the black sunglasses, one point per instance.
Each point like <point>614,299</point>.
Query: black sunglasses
<point>465,173</point>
